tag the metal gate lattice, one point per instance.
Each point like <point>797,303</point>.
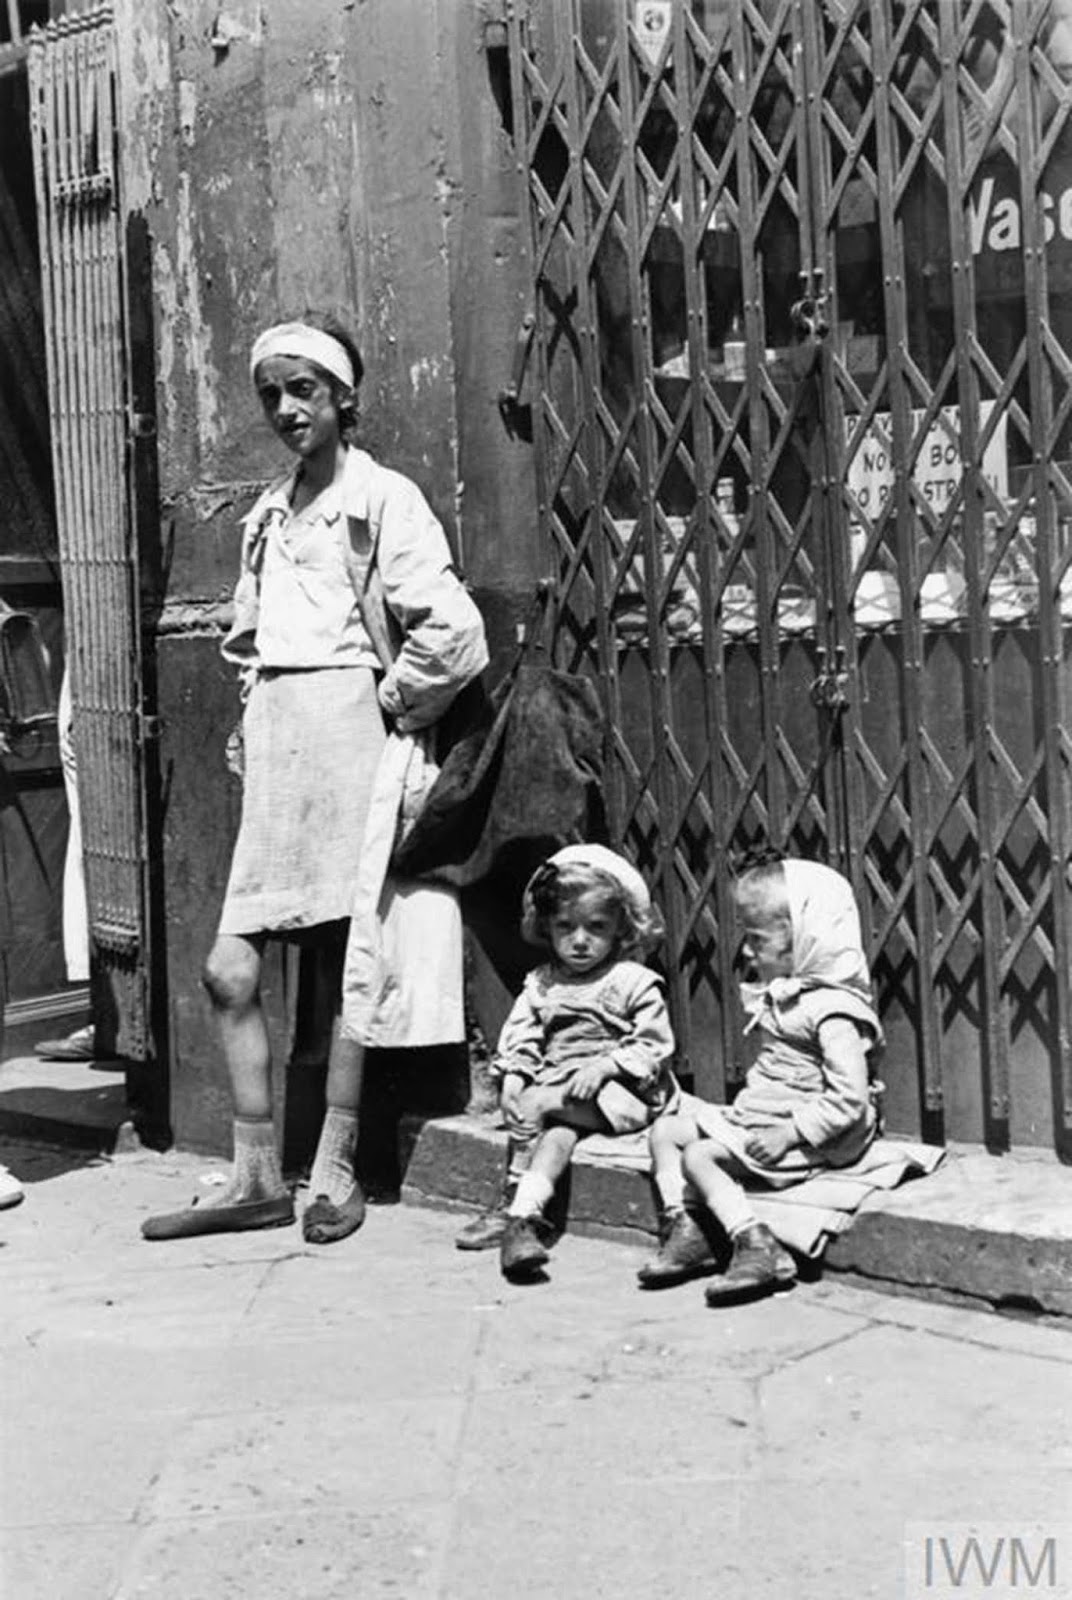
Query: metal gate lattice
<point>803,276</point>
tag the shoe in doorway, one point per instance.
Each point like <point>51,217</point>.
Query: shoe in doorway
<point>81,1045</point>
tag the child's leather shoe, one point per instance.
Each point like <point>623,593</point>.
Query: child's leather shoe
<point>522,1253</point>
<point>759,1267</point>
<point>485,1232</point>
<point>684,1252</point>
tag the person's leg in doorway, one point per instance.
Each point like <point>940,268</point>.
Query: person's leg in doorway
<point>82,1044</point>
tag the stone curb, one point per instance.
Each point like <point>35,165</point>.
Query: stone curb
<point>981,1227</point>
<point>105,1132</point>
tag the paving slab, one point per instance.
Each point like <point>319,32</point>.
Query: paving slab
<point>252,1418</point>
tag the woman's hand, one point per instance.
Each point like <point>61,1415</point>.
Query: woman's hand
<point>769,1145</point>
<point>588,1080</point>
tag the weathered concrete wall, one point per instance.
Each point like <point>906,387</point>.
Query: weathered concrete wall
<point>344,154</point>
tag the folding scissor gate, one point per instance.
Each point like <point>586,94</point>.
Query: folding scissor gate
<point>803,295</point>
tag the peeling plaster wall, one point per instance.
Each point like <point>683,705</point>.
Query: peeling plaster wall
<point>344,154</point>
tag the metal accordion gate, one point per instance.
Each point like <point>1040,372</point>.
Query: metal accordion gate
<point>72,74</point>
<point>802,401</point>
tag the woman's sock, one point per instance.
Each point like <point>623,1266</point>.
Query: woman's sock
<point>533,1193</point>
<point>333,1167</point>
<point>256,1173</point>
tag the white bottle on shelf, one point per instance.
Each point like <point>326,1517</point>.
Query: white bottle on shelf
<point>734,351</point>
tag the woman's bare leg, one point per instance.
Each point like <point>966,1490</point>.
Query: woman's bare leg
<point>256,1196</point>
<point>232,978</point>
<point>337,1202</point>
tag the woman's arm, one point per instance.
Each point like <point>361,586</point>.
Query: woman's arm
<point>443,646</point>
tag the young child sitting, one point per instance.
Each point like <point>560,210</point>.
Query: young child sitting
<point>587,1046</point>
<point>806,1103</point>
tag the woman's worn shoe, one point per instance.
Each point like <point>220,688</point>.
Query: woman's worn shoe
<point>522,1253</point>
<point>237,1216</point>
<point>684,1252</point>
<point>760,1266</point>
<point>323,1222</point>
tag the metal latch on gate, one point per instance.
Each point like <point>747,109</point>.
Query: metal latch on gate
<point>811,322</point>
<point>518,418</point>
<point>830,686</point>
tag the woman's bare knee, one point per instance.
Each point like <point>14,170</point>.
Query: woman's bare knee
<point>232,974</point>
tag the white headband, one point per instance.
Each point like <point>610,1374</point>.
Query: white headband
<point>298,339</point>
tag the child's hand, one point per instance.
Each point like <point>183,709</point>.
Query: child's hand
<point>510,1095</point>
<point>769,1145</point>
<point>587,1081</point>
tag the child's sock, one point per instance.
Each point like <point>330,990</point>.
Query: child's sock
<point>671,1189</point>
<point>747,1219</point>
<point>533,1193</point>
<point>518,1159</point>
<point>333,1167</point>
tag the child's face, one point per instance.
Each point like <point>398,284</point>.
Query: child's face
<point>584,931</point>
<point>766,934</point>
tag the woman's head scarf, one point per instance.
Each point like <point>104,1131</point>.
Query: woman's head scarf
<point>828,951</point>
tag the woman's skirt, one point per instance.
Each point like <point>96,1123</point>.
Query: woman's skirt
<point>312,741</point>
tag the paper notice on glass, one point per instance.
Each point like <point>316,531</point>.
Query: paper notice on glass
<point>939,465</point>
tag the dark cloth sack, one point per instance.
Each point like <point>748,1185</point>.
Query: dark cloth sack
<point>526,770</point>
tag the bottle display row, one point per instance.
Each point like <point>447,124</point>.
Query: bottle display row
<point>1008,575</point>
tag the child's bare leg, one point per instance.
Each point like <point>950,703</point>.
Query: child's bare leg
<point>564,1122</point>
<point>523,1128</point>
<point>685,1251</point>
<point>759,1264</point>
<point>667,1139</point>
<point>524,1251</point>
<point>708,1166</point>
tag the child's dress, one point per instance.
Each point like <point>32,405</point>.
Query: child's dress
<point>832,1111</point>
<point>560,1021</point>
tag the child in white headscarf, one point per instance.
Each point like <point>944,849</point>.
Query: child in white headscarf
<point>587,1047</point>
<point>807,1103</point>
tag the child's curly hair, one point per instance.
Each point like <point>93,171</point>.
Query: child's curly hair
<point>552,887</point>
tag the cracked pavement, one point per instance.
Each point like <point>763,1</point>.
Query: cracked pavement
<point>246,1416</point>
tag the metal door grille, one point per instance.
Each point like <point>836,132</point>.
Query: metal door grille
<point>72,80</point>
<point>769,296</point>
